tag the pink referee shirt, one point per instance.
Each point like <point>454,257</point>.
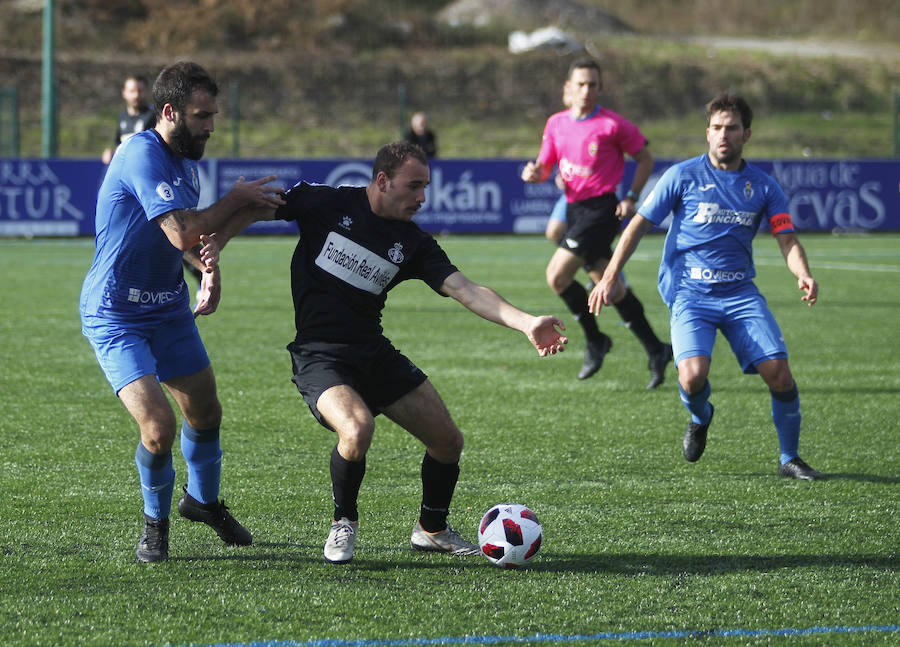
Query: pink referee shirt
<point>590,152</point>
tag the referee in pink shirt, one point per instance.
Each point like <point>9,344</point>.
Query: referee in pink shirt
<point>589,143</point>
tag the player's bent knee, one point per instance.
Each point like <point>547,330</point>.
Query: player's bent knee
<point>208,417</point>
<point>354,440</point>
<point>158,438</point>
<point>776,374</point>
<point>558,283</point>
<point>448,448</point>
<point>692,382</point>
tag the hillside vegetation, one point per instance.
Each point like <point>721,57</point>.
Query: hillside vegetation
<point>340,77</point>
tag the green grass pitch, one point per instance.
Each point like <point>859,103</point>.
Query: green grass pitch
<point>638,543</point>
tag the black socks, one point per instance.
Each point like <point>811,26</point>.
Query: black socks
<point>632,312</point>
<point>346,477</point>
<point>438,482</point>
<point>575,297</point>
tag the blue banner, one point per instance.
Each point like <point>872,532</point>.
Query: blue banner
<point>57,197</point>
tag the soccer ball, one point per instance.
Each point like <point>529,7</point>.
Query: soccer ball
<point>509,535</point>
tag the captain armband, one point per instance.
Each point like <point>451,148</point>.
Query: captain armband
<point>781,222</point>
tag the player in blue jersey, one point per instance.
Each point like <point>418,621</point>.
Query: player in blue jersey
<point>718,201</point>
<point>135,307</point>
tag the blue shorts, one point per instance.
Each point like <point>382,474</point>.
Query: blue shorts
<point>127,352</point>
<point>559,209</point>
<point>744,319</point>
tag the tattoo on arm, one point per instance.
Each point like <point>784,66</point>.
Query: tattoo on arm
<point>177,220</point>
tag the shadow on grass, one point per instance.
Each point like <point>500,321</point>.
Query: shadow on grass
<point>833,476</point>
<point>644,564</point>
<point>609,563</point>
<point>283,555</point>
<point>261,551</point>
<point>807,387</point>
<point>293,557</point>
<point>865,478</point>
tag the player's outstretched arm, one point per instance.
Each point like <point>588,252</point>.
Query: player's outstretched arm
<point>242,219</point>
<point>183,226</point>
<point>795,257</point>
<point>544,332</point>
<point>604,292</point>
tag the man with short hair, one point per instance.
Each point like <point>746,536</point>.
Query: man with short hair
<point>135,306</point>
<point>588,144</point>
<point>136,116</point>
<point>421,135</point>
<point>718,201</point>
<point>356,244</point>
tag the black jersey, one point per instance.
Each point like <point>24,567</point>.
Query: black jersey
<point>348,259</point>
<point>129,125</point>
<point>426,141</point>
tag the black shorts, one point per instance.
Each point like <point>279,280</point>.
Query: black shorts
<point>377,371</point>
<point>591,227</point>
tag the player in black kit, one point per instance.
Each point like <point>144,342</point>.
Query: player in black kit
<point>356,244</point>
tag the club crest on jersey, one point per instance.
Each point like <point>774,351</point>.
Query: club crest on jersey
<point>345,222</point>
<point>748,190</point>
<point>395,253</point>
<point>592,149</point>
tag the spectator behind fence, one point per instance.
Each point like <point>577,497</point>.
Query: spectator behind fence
<point>420,135</point>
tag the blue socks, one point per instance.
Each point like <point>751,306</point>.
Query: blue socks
<point>157,481</point>
<point>204,462</point>
<point>697,404</point>
<point>785,414</point>
<point>787,417</point>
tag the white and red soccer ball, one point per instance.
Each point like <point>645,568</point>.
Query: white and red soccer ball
<point>509,535</point>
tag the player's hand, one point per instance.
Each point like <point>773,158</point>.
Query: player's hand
<point>209,254</point>
<point>532,172</point>
<point>625,209</point>
<point>808,284</point>
<point>260,193</point>
<point>210,292</point>
<point>601,295</point>
<point>545,335</point>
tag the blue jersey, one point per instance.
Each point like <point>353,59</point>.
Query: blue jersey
<point>716,214</point>
<point>137,274</point>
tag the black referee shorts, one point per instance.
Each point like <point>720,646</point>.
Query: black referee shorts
<point>377,371</point>
<point>591,227</point>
